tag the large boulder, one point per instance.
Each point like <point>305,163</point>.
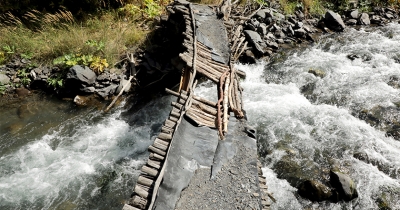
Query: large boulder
<point>4,79</point>
<point>83,75</point>
<point>255,39</point>
<point>344,185</point>
<point>333,21</point>
<point>364,19</point>
<point>314,190</point>
<point>107,91</point>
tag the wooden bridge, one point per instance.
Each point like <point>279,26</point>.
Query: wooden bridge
<point>205,156</point>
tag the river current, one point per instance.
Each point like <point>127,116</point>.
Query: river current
<point>57,156</point>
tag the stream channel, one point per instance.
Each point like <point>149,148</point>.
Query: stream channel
<point>54,155</point>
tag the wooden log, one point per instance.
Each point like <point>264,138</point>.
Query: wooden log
<point>141,192</point>
<point>154,164</point>
<point>145,181</point>
<point>160,141</point>
<point>129,207</point>
<point>182,101</point>
<point>199,120</point>
<point>200,116</point>
<point>165,129</point>
<point>162,147</point>
<point>175,114</point>
<point>138,202</point>
<point>221,97</point>
<point>238,47</point>
<point>178,106</point>
<point>155,156</point>
<point>205,108</point>
<point>225,103</point>
<point>172,92</point>
<point>241,73</point>
<point>202,113</point>
<point>165,136</point>
<point>157,151</point>
<point>205,101</point>
<point>170,124</point>
<point>172,118</point>
<point>209,74</point>
<point>150,171</point>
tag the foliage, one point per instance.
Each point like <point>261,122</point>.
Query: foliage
<point>95,62</point>
<point>148,8</point>
<point>2,57</point>
<point>3,89</point>
<point>56,81</point>
<point>23,75</point>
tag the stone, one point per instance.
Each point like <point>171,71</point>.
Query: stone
<point>270,36</point>
<point>255,39</point>
<point>262,29</point>
<point>375,19</point>
<point>4,79</point>
<point>351,22</point>
<point>364,19</point>
<point>83,75</point>
<point>262,14</point>
<point>317,72</point>
<point>333,21</point>
<point>299,15</point>
<point>298,25</point>
<point>103,77</point>
<point>272,44</point>
<point>107,91</point>
<point>81,100</point>
<point>122,82</point>
<point>22,92</point>
<point>268,20</point>
<point>248,57</point>
<point>88,89</point>
<point>33,74</point>
<point>353,14</point>
<point>389,16</point>
<point>344,185</point>
<point>314,190</point>
<point>290,31</point>
<point>300,33</point>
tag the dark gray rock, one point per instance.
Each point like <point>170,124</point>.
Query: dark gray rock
<point>351,22</point>
<point>268,20</point>
<point>300,33</point>
<point>314,190</point>
<point>255,39</point>
<point>299,15</point>
<point>344,185</point>
<point>103,77</point>
<point>4,79</point>
<point>83,75</point>
<point>248,57</point>
<point>389,16</point>
<point>333,21</point>
<point>270,36</point>
<point>262,29</point>
<point>88,89</point>
<point>290,31</point>
<point>375,19</point>
<point>317,72</point>
<point>364,19</point>
<point>272,44</point>
<point>262,14</point>
<point>107,91</point>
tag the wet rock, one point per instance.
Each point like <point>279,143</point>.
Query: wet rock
<point>299,15</point>
<point>394,81</point>
<point>364,19</point>
<point>375,19</point>
<point>300,33</point>
<point>88,89</point>
<point>272,44</point>
<point>22,92</point>
<point>255,39</point>
<point>105,92</point>
<point>4,79</point>
<point>298,25</point>
<point>353,14</point>
<point>81,100</point>
<point>333,21</point>
<point>344,185</point>
<point>103,77</point>
<point>361,156</point>
<point>389,16</point>
<point>262,29</point>
<point>317,72</point>
<point>314,190</point>
<point>248,57</point>
<point>351,22</point>
<point>121,85</point>
<point>83,75</point>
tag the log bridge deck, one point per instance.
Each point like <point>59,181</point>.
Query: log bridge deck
<point>205,156</point>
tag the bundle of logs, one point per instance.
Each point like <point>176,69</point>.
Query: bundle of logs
<point>152,172</point>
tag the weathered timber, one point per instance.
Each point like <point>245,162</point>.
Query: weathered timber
<point>175,114</point>
<point>145,181</point>
<point>155,156</point>
<point>169,123</point>
<point>225,103</point>
<point>172,118</point>
<point>165,136</point>
<point>165,129</point>
<point>139,202</point>
<point>129,207</point>
<point>155,150</point>
<point>178,106</point>
<point>141,192</point>
<point>160,146</point>
<point>150,171</point>
<point>154,164</point>
<point>160,141</point>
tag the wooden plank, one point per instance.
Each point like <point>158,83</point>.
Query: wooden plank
<point>149,171</point>
<point>155,156</point>
<point>178,106</point>
<point>145,181</point>
<point>129,207</point>
<point>160,146</point>
<point>157,151</point>
<point>154,164</point>
<point>169,123</point>
<point>165,136</point>
<point>141,192</point>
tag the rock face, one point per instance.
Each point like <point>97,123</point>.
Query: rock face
<point>344,185</point>
<point>314,190</point>
<point>84,75</point>
<point>333,21</point>
<point>256,40</point>
<point>105,92</point>
<point>4,79</point>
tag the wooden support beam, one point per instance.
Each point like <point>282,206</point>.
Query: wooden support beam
<point>145,181</point>
<point>165,136</point>
<point>141,192</point>
<point>155,156</point>
<point>154,164</point>
<point>150,171</point>
<point>156,150</point>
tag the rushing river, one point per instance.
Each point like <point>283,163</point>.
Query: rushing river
<point>54,155</point>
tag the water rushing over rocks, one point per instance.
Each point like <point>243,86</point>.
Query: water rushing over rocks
<point>65,157</point>
<point>306,107</point>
